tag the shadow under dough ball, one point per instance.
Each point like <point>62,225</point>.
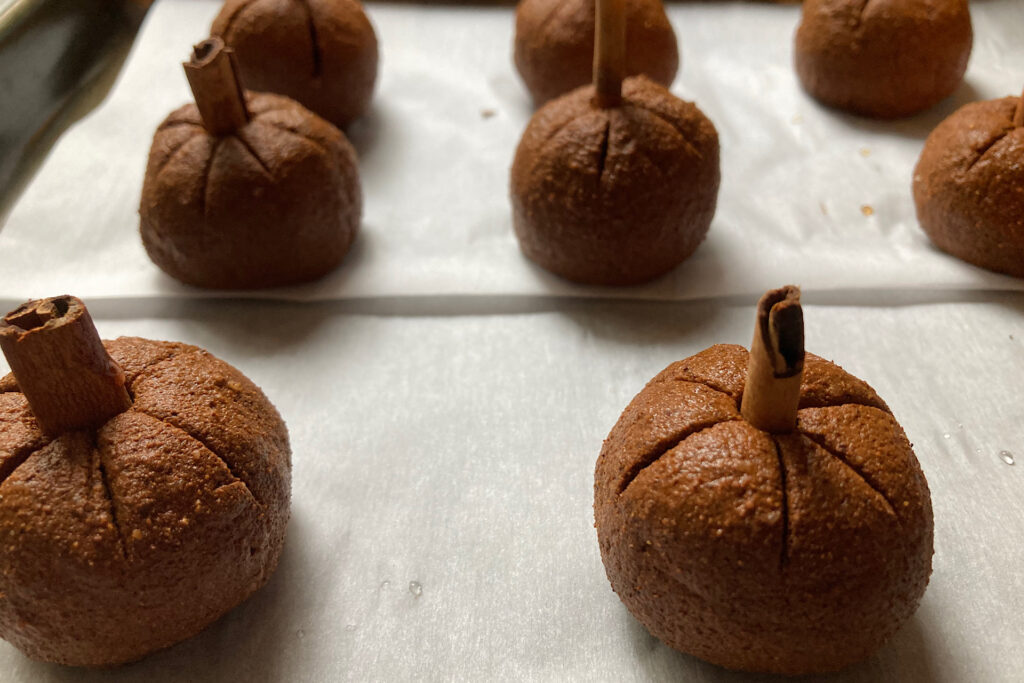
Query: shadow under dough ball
<point>252,195</point>
<point>883,58</point>
<point>969,185</point>
<point>321,53</point>
<point>790,536</point>
<point>554,44</point>
<point>615,195</point>
<point>144,489</point>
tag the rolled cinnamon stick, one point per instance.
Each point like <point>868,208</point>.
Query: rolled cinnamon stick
<point>61,366</point>
<point>213,76</point>
<point>772,392</point>
<point>1018,116</point>
<point>609,52</point>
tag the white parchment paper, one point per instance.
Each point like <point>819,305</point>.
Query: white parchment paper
<point>797,179</point>
<point>443,471</point>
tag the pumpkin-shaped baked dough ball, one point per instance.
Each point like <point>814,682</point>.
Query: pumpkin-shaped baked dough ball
<point>247,193</point>
<point>322,53</point>
<point>764,511</point>
<point>969,185</point>
<point>143,493</point>
<point>615,195</point>
<point>554,44</point>
<point>883,58</point>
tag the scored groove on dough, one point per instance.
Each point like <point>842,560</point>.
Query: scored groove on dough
<point>655,455</point>
<point>602,152</point>
<point>287,129</point>
<point>201,442</point>
<point>682,136</point>
<point>707,385</point>
<point>173,154</point>
<point>984,149</point>
<point>843,458</point>
<point>540,154</point>
<point>784,553</point>
<point>811,406</point>
<point>248,148</point>
<point>18,459</point>
<point>314,41</point>
<point>551,136</point>
<point>147,369</point>
<point>229,24</point>
<point>204,203</point>
<point>109,493</point>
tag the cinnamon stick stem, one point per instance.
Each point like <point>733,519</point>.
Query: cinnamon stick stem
<point>609,52</point>
<point>61,366</point>
<point>772,392</point>
<point>213,76</point>
<point>1018,116</point>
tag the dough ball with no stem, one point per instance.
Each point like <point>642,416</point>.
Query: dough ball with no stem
<point>969,186</point>
<point>882,58</point>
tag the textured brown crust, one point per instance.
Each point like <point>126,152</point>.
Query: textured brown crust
<point>125,540</point>
<point>882,58</point>
<point>322,53</point>
<point>554,44</point>
<point>615,196</point>
<point>967,186</point>
<point>797,553</point>
<point>276,203</point>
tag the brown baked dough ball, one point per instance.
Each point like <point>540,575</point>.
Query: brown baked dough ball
<point>793,553</point>
<point>276,202</point>
<point>127,538</point>
<point>554,44</point>
<point>882,58</point>
<point>969,186</point>
<point>615,196</point>
<point>322,53</point>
